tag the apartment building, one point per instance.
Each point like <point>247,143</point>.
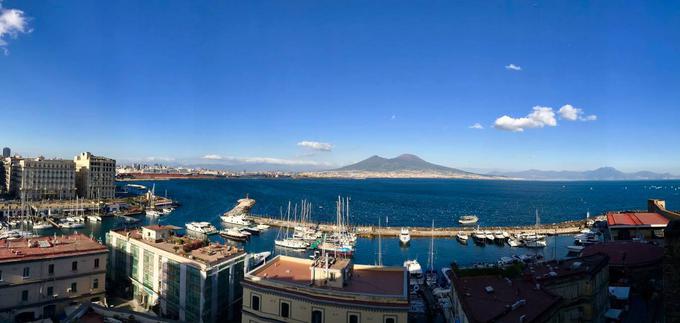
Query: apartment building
<point>39,277</point>
<point>179,278</point>
<point>40,178</point>
<point>289,289</point>
<point>95,176</point>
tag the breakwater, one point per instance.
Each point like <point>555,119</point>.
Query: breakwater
<point>567,227</point>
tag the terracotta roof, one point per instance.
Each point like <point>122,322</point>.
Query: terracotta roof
<point>491,299</point>
<point>157,227</point>
<point>627,253</point>
<point>365,279</point>
<point>48,247</point>
<point>635,219</point>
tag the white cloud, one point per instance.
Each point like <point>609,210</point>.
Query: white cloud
<point>266,160</point>
<point>538,118</point>
<point>569,112</point>
<point>513,67</point>
<point>476,126</point>
<point>12,23</point>
<point>322,146</point>
<point>212,157</point>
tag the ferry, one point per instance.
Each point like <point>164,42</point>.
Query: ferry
<point>468,219</point>
<point>233,234</point>
<point>404,236</point>
<point>201,227</point>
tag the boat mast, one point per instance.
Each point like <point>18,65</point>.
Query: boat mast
<point>379,245</point>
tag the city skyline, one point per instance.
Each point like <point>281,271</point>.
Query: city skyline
<point>477,86</point>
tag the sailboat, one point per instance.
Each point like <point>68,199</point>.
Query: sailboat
<point>287,241</point>
<point>151,209</point>
<point>431,274</point>
<point>534,240</point>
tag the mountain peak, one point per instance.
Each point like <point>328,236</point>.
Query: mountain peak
<point>409,157</point>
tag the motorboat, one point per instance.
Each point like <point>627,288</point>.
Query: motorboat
<point>404,236</point>
<point>537,243</point>
<point>233,234</point>
<point>514,242</point>
<point>252,230</point>
<point>41,225</point>
<point>462,237</point>
<point>498,235</point>
<point>468,219</point>
<point>201,227</point>
<point>479,236</point>
<point>94,218</point>
<point>575,249</point>
<point>291,243</point>
<point>257,259</point>
<point>489,236</point>
<point>415,271</point>
<point>152,212</point>
<point>241,220</point>
<point>246,233</point>
<point>71,224</point>
<point>262,227</point>
<point>167,210</point>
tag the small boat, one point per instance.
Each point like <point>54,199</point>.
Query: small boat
<point>257,259</point>
<point>167,210</point>
<point>335,248</point>
<point>94,218</point>
<point>415,271</point>
<point>262,227</point>
<point>152,212</point>
<point>489,236</point>
<point>468,219</point>
<point>71,225</point>
<point>538,243</point>
<point>462,237</point>
<point>479,236</point>
<point>233,234</point>
<point>41,225</point>
<point>246,233</point>
<point>506,235</point>
<point>513,242</point>
<point>291,243</point>
<point>498,235</point>
<point>404,236</point>
<point>252,230</point>
<point>576,249</point>
<point>201,227</point>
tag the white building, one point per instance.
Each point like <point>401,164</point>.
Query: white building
<point>40,178</point>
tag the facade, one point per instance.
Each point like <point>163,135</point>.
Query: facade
<point>40,277</point>
<point>582,283</point>
<point>40,178</point>
<point>95,176</point>
<point>177,277</point>
<point>631,263</point>
<point>6,152</point>
<point>636,225</point>
<point>3,185</point>
<point>289,289</point>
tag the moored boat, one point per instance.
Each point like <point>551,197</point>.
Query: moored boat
<point>468,219</point>
<point>462,237</point>
<point>201,227</point>
<point>233,234</point>
<point>404,236</point>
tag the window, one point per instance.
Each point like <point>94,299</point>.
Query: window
<point>74,287</point>
<point>50,291</point>
<point>96,263</point>
<point>255,302</point>
<point>27,272</point>
<point>353,318</point>
<point>24,295</point>
<point>50,269</point>
<point>0,275</point>
<point>317,316</point>
<point>74,266</point>
<point>285,309</point>
<point>95,283</point>
<point>390,319</point>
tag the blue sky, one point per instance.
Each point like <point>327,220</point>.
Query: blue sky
<point>249,81</point>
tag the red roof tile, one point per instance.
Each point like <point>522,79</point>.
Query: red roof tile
<point>63,246</point>
<point>636,219</point>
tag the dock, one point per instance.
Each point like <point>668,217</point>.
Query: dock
<point>567,227</point>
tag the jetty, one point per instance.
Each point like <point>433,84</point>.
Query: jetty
<point>568,227</point>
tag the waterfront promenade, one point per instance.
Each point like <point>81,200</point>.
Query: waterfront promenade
<point>568,227</point>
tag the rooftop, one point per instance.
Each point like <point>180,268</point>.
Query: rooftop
<point>636,219</point>
<point>157,227</point>
<point>187,247</point>
<point>497,299</point>
<point>555,270</point>
<point>628,253</point>
<point>373,280</point>
<point>48,247</point>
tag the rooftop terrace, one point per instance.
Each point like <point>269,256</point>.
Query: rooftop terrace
<point>48,247</point>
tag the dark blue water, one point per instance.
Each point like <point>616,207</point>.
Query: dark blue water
<point>413,203</point>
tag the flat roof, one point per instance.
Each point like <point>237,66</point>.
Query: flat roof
<point>211,254</point>
<point>491,298</point>
<point>41,248</point>
<point>636,219</point>
<point>555,270</point>
<point>373,280</point>
<point>627,253</point>
<point>157,227</point>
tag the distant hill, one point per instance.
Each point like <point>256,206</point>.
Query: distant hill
<point>600,174</point>
<point>403,166</point>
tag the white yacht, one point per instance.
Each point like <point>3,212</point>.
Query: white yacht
<point>514,242</point>
<point>468,219</point>
<point>415,271</point>
<point>241,220</point>
<point>152,212</point>
<point>499,235</point>
<point>233,234</point>
<point>479,236</point>
<point>201,227</point>
<point>167,210</point>
<point>258,258</point>
<point>94,218</point>
<point>535,243</point>
<point>291,243</point>
<point>404,236</point>
<point>489,236</point>
<point>41,225</point>
<point>262,227</point>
